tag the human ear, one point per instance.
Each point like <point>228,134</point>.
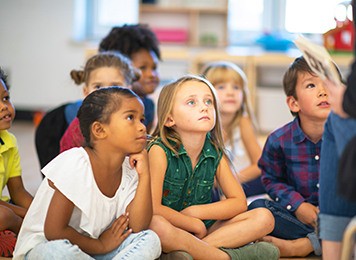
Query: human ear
<point>85,91</point>
<point>293,104</point>
<point>169,122</point>
<point>98,130</point>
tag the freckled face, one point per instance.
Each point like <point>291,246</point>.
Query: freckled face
<point>193,109</point>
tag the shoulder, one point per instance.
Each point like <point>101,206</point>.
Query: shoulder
<point>69,161</point>
<point>8,138</point>
<point>157,143</point>
<point>284,133</point>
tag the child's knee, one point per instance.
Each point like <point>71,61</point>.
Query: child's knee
<point>163,228</point>
<point>265,218</point>
<point>6,215</point>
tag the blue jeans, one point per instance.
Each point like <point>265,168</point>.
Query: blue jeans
<point>287,226</point>
<point>335,211</point>
<point>142,245</point>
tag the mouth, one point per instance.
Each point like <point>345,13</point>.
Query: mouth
<point>6,117</point>
<point>142,138</point>
<point>204,118</point>
<point>324,104</point>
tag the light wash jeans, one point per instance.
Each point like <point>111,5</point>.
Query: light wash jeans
<point>335,211</point>
<point>137,246</point>
<point>287,226</point>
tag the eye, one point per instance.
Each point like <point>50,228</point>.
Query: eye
<point>6,98</point>
<point>97,87</point>
<point>208,102</point>
<point>236,87</point>
<point>130,117</point>
<point>190,102</point>
<point>220,87</point>
<point>142,120</point>
<point>143,68</point>
<point>310,86</point>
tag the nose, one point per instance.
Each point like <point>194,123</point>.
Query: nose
<point>3,106</point>
<point>322,92</point>
<point>204,107</point>
<point>142,127</point>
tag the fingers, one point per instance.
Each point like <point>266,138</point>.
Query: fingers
<point>121,225</point>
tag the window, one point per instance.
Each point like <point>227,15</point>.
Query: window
<point>248,19</point>
<point>101,15</point>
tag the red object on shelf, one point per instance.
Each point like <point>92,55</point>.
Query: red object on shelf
<point>171,35</point>
<point>340,38</point>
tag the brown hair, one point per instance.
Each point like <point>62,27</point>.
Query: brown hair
<point>290,77</point>
<point>106,59</point>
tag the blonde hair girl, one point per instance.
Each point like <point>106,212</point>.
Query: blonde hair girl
<point>185,156</point>
<point>238,122</point>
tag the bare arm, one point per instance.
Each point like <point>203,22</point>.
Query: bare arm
<point>253,150</point>
<point>140,208</point>
<point>234,204</point>
<point>158,166</point>
<point>56,226</point>
<point>19,195</point>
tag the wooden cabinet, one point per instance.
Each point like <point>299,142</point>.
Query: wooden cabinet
<point>186,23</point>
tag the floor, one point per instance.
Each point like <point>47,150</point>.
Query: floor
<point>25,132</point>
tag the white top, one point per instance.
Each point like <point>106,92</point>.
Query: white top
<point>72,175</point>
<point>237,153</point>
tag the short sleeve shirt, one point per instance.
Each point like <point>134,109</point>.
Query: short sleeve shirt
<point>9,160</point>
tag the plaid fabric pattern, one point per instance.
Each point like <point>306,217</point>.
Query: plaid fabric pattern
<point>290,166</point>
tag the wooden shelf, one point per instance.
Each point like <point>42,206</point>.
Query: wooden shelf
<point>203,25</point>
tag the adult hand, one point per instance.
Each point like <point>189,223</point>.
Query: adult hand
<point>336,96</point>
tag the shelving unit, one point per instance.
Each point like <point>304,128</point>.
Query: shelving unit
<point>187,24</point>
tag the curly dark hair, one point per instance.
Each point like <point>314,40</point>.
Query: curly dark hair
<point>129,39</point>
<point>3,77</point>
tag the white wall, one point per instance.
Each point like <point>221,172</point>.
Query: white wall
<point>37,50</point>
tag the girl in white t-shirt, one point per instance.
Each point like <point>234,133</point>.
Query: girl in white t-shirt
<point>237,120</point>
<point>95,201</point>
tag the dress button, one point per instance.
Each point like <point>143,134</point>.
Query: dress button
<point>289,207</point>
<point>317,185</point>
<point>317,157</point>
<point>277,199</point>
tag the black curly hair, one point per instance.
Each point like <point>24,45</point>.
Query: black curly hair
<point>129,39</point>
<point>3,77</point>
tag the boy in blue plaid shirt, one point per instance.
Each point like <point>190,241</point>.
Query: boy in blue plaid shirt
<point>290,164</point>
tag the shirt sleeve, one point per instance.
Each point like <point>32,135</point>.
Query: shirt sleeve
<point>274,175</point>
<point>72,137</point>
<point>14,165</point>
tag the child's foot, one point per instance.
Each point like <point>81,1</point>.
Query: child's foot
<point>298,247</point>
<point>259,250</point>
<point>176,255</point>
